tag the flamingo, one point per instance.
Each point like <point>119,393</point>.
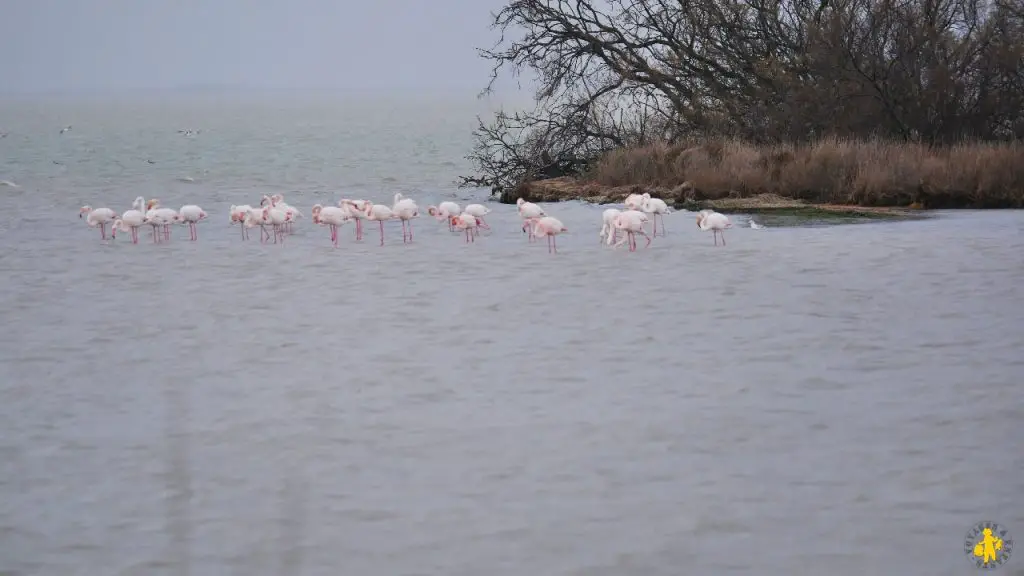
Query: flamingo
<point>277,218</point>
<point>97,217</point>
<point>479,211</point>
<point>529,212</point>
<point>445,211</point>
<point>378,213</point>
<point>717,223</point>
<point>256,217</point>
<point>657,207</point>
<point>634,201</point>
<point>405,209</point>
<point>164,217</point>
<point>277,201</point>
<point>632,223</point>
<point>157,216</point>
<point>332,216</point>
<point>550,227</point>
<point>356,209</point>
<point>468,222</point>
<point>608,230</point>
<point>191,215</point>
<point>238,214</point>
<point>130,220</point>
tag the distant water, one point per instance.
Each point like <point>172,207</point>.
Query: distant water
<point>835,400</point>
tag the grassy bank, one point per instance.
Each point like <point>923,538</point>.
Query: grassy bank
<point>832,174</point>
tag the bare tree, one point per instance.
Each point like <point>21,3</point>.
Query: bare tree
<point>624,72</point>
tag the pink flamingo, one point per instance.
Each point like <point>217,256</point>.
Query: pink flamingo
<point>98,217</point>
<point>405,209</point>
<point>356,209</point>
<point>529,212</point>
<point>379,213</point>
<point>550,227</point>
<point>332,216</point>
<point>717,223</point>
<point>468,222</point>
<point>191,214</point>
<point>632,223</point>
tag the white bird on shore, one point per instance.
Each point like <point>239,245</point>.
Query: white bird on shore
<point>717,223</point>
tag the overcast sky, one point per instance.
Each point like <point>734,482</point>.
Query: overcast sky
<point>62,46</point>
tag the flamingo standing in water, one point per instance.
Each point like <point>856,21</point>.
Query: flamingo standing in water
<point>191,215</point>
<point>278,219</point>
<point>550,227</point>
<point>157,216</point>
<point>632,223</point>
<point>333,217</point>
<point>131,220</point>
<point>445,211</point>
<point>468,222</point>
<point>98,217</point>
<point>717,223</point>
<point>657,208</point>
<point>608,229</point>
<point>479,211</point>
<point>529,212</point>
<point>357,210</point>
<point>238,214</point>
<point>405,210</point>
<point>378,213</point>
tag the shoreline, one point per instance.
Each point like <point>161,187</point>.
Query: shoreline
<point>567,188</point>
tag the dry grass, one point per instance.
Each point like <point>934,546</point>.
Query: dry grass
<point>864,173</point>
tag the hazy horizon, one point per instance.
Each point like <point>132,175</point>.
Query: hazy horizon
<point>61,48</point>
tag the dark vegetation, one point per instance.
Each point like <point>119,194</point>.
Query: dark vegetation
<point>870,102</point>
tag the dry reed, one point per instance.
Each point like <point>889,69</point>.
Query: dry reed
<point>830,171</point>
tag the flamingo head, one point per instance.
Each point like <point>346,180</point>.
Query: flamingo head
<point>433,211</point>
<point>520,202</point>
<point>84,210</point>
<point>153,203</point>
<point>277,198</point>
<point>288,217</point>
<point>265,200</point>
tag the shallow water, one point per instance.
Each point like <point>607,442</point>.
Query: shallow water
<point>829,400</point>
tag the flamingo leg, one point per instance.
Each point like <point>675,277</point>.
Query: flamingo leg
<point>405,234</point>
<point>381,222</point>
<point>723,237</point>
<point>410,231</point>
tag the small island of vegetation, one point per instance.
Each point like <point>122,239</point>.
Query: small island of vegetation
<point>848,105</point>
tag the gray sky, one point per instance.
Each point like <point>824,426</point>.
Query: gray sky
<point>348,45</point>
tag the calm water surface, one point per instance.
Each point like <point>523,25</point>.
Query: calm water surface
<point>834,400</point>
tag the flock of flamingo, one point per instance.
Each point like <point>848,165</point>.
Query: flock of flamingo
<point>274,213</point>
